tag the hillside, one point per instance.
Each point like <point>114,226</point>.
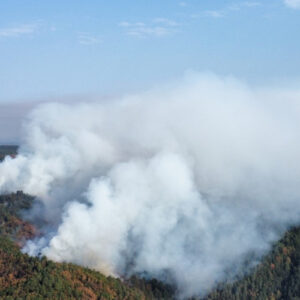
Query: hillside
<point>8,150</point>
<point>24,277</point>
<point>277,277</point>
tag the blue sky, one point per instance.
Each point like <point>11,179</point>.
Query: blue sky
<point>59,47</point>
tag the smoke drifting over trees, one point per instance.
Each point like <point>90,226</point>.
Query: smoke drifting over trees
<point>181,183</point>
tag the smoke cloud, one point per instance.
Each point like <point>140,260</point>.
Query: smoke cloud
<point>181,183</point>
<point>11,116</point>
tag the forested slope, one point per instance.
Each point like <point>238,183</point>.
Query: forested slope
<point>8,150</point>
<point>25,277</point>
<point>277,277</point>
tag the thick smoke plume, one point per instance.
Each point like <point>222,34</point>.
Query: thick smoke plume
<point>180,183</point>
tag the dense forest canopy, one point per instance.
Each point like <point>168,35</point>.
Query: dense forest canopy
<point>8,150</point>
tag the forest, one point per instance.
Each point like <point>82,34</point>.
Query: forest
<point>8,150</point>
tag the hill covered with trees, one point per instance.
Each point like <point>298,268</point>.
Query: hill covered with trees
<point>277,277</point>
<point>25,277</point>
<point>8,150</point>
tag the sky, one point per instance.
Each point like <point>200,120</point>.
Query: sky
<point>68,48</point>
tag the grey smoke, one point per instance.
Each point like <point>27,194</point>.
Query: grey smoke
<point>181,182</point>
<point>11,116</point>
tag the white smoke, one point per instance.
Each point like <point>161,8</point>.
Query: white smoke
<point>180,183</point>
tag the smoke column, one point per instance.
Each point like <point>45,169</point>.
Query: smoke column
<point>181,183</point>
